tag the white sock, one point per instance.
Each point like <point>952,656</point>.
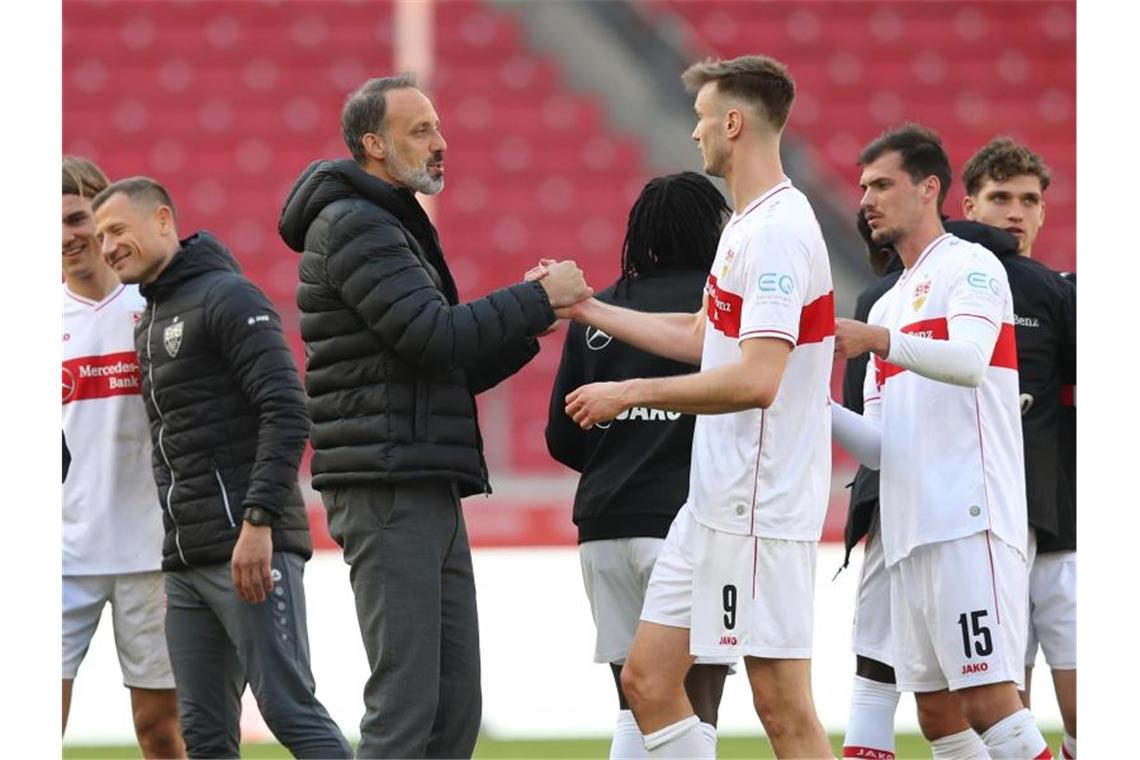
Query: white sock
<point>1069,747</point>
<point>628,743</point>
<point>871,721</point>
<point>1016,736</point>
<point>683,739</point>
<point>964,745</point>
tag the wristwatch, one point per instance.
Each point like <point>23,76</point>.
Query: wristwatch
<point>257,516</point>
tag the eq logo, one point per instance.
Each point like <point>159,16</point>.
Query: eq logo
<point>772,281</point>
<point>982,281</point>
<point>596,340</point>
<point>68,385</point>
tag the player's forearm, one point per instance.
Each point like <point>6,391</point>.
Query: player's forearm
<point>960,360</point>
<point>730,388</point>
<point>862,437</point>
<point>675,336</point>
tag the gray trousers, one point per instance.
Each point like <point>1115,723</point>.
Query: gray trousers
<point>218,643</point>
<point>410,568</point>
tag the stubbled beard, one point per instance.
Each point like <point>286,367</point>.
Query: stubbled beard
<point>888,236</point>
<point>417,178</point>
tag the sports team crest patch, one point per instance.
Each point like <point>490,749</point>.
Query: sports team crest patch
<point>172,337</point>
<point>921,291</point>
<point>729,255</point>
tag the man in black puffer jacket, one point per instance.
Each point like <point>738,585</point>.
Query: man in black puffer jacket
<point>394,362</point>
<point>228,422</point>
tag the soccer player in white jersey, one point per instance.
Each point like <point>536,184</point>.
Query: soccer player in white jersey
<point>112,522</point>
<point>736,574</point>
<point>941,421</point>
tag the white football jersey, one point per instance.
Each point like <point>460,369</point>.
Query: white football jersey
<point>112,519</point>
<point>767,472</point>
<point>952,459</point>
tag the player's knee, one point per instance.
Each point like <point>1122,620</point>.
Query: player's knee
<point>984,706</point>
<point>158,732</point>
<point>865,667</point>
<point>940,717</point>
<point>782,714</point>
<point>642,687</point>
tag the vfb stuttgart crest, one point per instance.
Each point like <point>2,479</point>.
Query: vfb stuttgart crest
<point>920,293</point>
<point>172,337</point>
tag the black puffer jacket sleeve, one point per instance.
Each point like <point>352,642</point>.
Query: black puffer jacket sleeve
<point>249,337</point>
<point>489,372</point>
<point>382,280</point>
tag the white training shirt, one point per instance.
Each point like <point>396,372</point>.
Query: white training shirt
<point>768,472</point>
<point>952,462</point>
<point>112,519</point>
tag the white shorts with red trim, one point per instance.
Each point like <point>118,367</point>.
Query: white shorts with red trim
<point>871,627</point>
<point>1052,608</point>
<point>738,595</point>
<point>959,614</point>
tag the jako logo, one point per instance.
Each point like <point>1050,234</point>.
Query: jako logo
<point>728,641</point>
<point>771,281</point>
<point>975,667</point>
<point>635,413</point>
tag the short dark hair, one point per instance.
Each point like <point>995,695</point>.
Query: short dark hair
<point>758,79</point>
<point>364,110</point>
<point>82,177</point>
<point>675,223</point>
<point>137,189</point>
<point>920,151</point>
<point>1000,159</point>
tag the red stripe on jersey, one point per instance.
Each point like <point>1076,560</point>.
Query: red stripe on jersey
<point>1004,355</point>
<point>1068,395</point>
<point>1005,350</point>
<point>817,320</point>
<point>724,309</point>
<point>868,752</point>
<point>1046,754</point>
<point>88,377</point>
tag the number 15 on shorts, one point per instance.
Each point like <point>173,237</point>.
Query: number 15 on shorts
<point>976,638</point>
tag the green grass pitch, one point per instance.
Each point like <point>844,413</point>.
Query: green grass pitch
<point>908,746</point>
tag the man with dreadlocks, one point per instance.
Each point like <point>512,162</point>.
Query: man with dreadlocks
<point>635,469</point>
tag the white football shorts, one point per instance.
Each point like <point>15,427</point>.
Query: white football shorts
<point>737,595</point>
<point>138,612</point>
<point>1052,608</point>
<point>616,573</point>
<point>871,627</point>
<point>958,614</point>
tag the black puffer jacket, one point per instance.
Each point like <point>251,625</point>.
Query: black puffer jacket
<point>393,359</point>
<point>226,408</point>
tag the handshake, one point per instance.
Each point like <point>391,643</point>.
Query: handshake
<point>564,283</point>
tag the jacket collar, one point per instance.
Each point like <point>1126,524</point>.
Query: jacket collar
<point>196,255</point>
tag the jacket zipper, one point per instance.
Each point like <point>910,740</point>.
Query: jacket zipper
<point>225,497</point>
<point>162,431</point>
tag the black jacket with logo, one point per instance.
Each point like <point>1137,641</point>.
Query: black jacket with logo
<point>225,404</point>
<point>1045,309</point>
<point>1046,313</point>
<point>393,359</point>
<point>635,470</point>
